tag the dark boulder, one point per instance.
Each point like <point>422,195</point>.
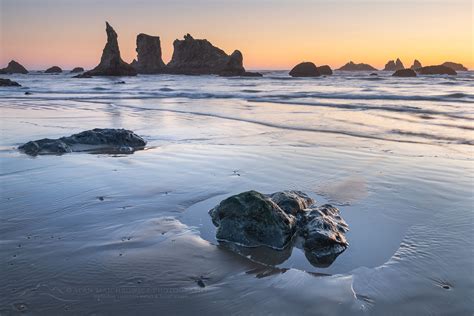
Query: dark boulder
<point>416,64</point>
<point>84,75</point>
<point>325,70</point>
<point>404,73</point>
<point>323,231</point>
<point>14,68</point>
<point>351,66</point>
<point>252,219</point>
<point>53,70</point>
<point>111,64</point>
<point>292,202</point>
<point>305,69</point>
<point>454,66</point>
<point>199,57</point>
<point>77,70</point>
<point>149,60</point>
<point>436,70</point>
<point>8,83</point>
<point>104,140</point>
<point>394,65</point>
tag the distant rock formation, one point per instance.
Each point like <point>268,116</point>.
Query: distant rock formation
<point>77,70</point>
<point>325,70</point>
<point>111,64</point>
<point>436,70</point>
<point>53,70</point>
<point>199,57</point>
<point>454,66</point>
<point>103,139</point>
<point>8,83</point>
<point>149,60</point>
<point>394,65</point>
<point>305,69</point>
<point>416,65</point>
<point>350,66</point>
<point>14,68</point>
<point>404,73</point>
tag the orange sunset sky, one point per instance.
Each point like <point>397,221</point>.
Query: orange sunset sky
<point>272,34</point>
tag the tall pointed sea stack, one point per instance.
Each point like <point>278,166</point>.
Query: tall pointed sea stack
<point>394,65</point>
<point>149,60</point>
<point>416,65</point>
<point>111,64</point>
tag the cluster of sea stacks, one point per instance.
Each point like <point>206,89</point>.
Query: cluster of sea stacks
<point>199,57</point>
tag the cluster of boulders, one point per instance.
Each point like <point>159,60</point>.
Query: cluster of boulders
<point>253,219</point>
<point>107,140</point>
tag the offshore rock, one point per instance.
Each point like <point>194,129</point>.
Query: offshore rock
<point>111,64</point>
<point>325,70</point>
<point>149,59</point>
<point>436,70</point>
<point>14,68</point>
<point>77,70</point>
<point>8,83</point>
<point>199,57</point>
<point>454,66</point>
<point>404,73</point>
<point>53,70</point>
<point>351,66</point>
<point>305,69</point>
<point>416,64</point>
<point>394,65</point>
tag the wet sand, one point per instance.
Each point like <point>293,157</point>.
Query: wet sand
<point>97,233</point>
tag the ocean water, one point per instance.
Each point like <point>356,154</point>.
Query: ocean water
<point>95,233</point>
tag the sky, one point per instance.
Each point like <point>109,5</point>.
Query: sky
<point>271,34</point>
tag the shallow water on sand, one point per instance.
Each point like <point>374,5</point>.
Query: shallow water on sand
<point>96,233</point>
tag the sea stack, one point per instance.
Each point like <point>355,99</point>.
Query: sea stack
<point>436,70</point>
<point>325,70</point>
<point>77,70</point>
<point>53,70</point>
<point>199,57</point>
<point>305,69</point>
<point>8,83</point>
<point>416,65</point>
<point>454,66</point>
<point>404,73</point>
<point>351,66</point>
<point>394,65</point>
<point>14,68</point>
<point>111,64</point>
<point>149,60</point>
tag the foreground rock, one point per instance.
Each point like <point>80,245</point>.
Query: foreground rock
<point>199,57</point>
<point>104,140</point>
<point>253,219</point>
<point>111,64</point>
<point>305,69</point>
<point>8,83</point>
<point>325,70</point>
<point>454,66</point>
<point>436,70</point>
<point>14,68</point>
<point>77,70</point>
<point>416,64</point>
<point>350,66</point>
<point>53,70</point>
<point>84,75</point>
<point>404,73</point>
<point>149,60</point>
<point>394,65</point>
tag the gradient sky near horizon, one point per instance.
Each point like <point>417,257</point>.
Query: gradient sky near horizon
<point>272,34</point>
